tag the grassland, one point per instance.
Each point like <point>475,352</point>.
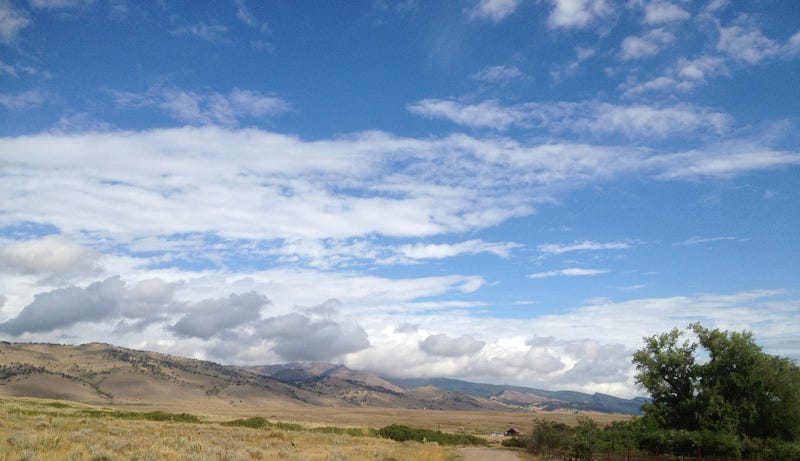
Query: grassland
<point>38,429</point>
<point>53,430</point>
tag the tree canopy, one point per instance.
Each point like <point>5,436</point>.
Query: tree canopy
<point>722,382</point>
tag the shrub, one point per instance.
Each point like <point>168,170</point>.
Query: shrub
<point>402,433</point>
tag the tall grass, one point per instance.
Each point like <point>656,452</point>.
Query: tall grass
<point>50,431</point>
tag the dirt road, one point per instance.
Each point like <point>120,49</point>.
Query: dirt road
<point>484,454</point>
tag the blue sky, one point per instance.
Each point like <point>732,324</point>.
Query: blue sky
<point>506,191</point>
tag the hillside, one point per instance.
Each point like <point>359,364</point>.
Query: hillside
<point>105,374</point>
<point>531,398</point>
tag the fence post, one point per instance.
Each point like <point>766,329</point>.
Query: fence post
<point>628,456</point>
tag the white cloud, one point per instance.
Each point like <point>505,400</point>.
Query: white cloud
<point>650,44</point>
<point>586,245</point>
<point>52,256</point>
<point>493,10</point>
<point>684,76</point>
<point>443,345</point>
<point>746,44</point>
<point>698,164</point>
<point>444,250</point>
<point>12,21</point>
<point>497,74</point>
<point>488,114</point>
<point>577,13</point>
<point>570,272</point>
<point>660,12</point>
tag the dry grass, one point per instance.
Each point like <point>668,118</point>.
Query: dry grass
<point>42,430</point>
<point>37,429</point>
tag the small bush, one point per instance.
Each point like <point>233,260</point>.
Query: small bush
<point>148,416</point>
<point>402,433</point>
<point>256,422</point>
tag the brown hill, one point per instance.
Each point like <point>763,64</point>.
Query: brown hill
<point>101,373</point>
<point>105,374</point>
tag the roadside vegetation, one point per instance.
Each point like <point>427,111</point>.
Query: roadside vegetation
<point>718,397</point>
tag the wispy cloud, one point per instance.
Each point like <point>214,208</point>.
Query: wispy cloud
<point>12,21</point>
<point>22,101</point>
<point>588,117</point>
<point>695,240</point>
<point>440,251</point>
<point>570,272</point>
<point>214,33</point>
<point>206,107</point>
<point>586,245</point>
<point>684,76</point>
<point>497,74</point>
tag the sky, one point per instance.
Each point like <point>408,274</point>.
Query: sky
<point>504,191</point>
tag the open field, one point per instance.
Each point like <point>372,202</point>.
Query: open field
<point>37,429</point>
<point>52,430</point>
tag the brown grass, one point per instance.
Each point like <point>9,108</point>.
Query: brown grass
<point>36,429</point>
<point>42,430</point>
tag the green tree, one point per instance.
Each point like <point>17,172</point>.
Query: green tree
<point>667,369</point>
<point>736,389</point>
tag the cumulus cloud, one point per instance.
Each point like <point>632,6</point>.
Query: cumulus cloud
<point>298,337</point>
<point>445,346</point>
<point>660,12</point>
<point>493,10</point>
<point>746,43</point>
<point>64,307</point>
<point>650,44</point>
<point>577,13</point>
<point>214,317</point>
<point>570,272</point>
<point>53,257</point>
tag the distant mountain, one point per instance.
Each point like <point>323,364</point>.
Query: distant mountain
<point>530,397</point>
<point>105,374</point>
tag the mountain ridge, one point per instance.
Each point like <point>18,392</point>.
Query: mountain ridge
<point>99,373</point>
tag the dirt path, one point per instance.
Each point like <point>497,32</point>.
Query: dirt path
<point>484,454</point>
